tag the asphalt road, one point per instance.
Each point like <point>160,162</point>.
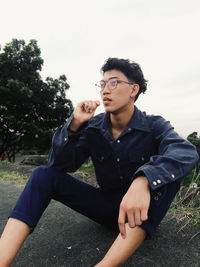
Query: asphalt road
<point>66,238</point>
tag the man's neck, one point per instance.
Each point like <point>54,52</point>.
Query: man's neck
<point>121,119</point>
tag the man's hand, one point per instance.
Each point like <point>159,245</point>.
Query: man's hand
<point>134,205</point>
<point>83,112</point>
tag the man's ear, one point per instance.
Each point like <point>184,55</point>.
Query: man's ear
<point>135,90</point>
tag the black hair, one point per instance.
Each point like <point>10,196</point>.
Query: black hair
<point>130,69</point>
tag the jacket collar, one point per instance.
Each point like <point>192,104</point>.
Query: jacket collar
<point>138,121</point>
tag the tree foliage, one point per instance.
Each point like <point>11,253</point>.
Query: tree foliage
<point>30,108</point>
<point>195,140</point>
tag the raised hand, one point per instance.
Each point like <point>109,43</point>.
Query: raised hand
<point>83,112</point>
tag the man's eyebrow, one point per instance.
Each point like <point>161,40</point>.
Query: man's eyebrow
<point>111,78</point>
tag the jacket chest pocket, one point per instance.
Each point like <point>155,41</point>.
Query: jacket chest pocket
<point>101,155</point>
<point>139,157</point>
<point>100,150</point>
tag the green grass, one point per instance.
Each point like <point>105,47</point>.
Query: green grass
<point>16,178</point>
<point>189,214</point>
<point>193,177</point>
<point>86,168</point>
<point>186,203</point>
<point>13,177</point>
<point>5,162</point>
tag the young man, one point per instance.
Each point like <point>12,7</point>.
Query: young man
<point>139,162</point>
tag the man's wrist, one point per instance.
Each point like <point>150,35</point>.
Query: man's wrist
<point>74,125</point>
<point>141,177</point>
<point>142,180</point>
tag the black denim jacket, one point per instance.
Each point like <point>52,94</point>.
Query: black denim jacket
<point>148,145</point>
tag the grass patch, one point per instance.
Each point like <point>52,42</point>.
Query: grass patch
<point>187,214</point>
<point>5,162</point>
<point>186,205</point>
<point>193,177</point>
<point>13,177</point>
<point>87,168</point>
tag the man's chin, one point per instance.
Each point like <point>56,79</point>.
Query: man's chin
<point>108,109</point>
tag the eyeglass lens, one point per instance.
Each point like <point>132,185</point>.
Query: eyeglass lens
<point>111,83</point>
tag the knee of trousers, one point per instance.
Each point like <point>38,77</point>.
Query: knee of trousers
<point>43,176</point>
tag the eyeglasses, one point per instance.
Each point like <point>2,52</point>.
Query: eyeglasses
<point>111,83</point>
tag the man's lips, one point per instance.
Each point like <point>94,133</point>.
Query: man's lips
<point>106,99</point>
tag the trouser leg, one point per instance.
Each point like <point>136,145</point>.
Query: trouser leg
<point>48,183</point>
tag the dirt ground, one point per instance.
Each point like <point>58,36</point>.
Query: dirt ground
<point>66,238</point>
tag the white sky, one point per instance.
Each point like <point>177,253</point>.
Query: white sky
<point>77,36</point>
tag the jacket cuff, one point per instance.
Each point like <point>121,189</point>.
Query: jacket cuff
<point>155,177</point>
<point>67,130</point>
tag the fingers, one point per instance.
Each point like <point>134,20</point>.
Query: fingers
<point>144,215</point>
<point>121,223</point>
<point>131,219</point>
<point>135,218</point>
<point>90,106</point>
<point>84,111</point>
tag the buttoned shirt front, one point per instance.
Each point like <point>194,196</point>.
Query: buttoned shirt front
<point>148,146</point>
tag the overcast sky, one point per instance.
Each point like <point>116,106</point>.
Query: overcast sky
<point>76,37</point>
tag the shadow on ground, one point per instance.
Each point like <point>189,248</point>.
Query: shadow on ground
<point>66,238</point>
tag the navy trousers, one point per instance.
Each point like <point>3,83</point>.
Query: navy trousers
<point>102,206</point>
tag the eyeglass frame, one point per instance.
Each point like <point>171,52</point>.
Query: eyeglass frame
<point>105,82</point>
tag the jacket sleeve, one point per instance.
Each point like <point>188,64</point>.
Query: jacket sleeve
<point>68,153</point>
<point>175,159</point>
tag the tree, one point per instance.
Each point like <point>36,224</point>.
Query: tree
<point>195,140</point>
<point>30,108</point>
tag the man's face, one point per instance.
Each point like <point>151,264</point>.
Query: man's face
<point>118,99</point>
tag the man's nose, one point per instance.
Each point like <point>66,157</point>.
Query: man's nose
<point>105,90</point>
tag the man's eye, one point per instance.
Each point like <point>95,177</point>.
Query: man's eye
<point>102,84</point>
<point>113,82</point>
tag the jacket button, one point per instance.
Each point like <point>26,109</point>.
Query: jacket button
<point>121,177</point>
<point>159,181</point>
<point>118,159</point>
<point>173,176</point>
<point>142,158</point>
<point>102,158</point>
<point>65,139</point>
<point>154,183</point>
<point>156,197</point>
<point>159,194</point>
<point>129,129</point>
<point>118,141</point>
